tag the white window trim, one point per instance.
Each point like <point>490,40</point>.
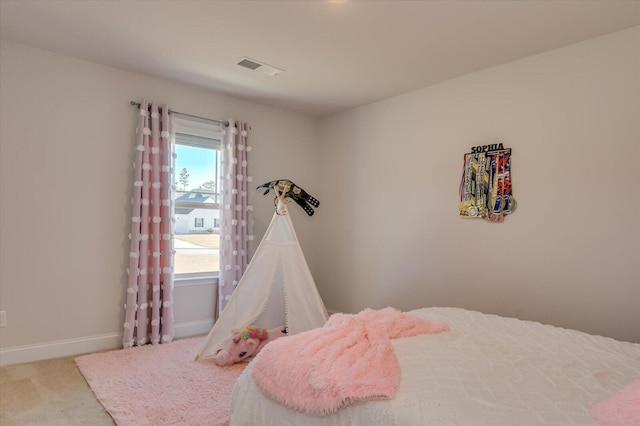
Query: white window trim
<point>196,279</point>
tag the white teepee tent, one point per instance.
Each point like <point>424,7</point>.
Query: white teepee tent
<point>276,289</point>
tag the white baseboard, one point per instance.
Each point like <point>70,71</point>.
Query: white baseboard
<point>193,328</point>
<point>83,345</point>
<point>60,348</point>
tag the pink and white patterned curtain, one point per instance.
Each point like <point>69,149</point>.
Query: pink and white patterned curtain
<point>149,306</point>
<point>236,214</point>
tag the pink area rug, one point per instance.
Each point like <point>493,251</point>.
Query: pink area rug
<point>161,385</point>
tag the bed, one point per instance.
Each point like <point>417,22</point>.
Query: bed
<point>486,370</point>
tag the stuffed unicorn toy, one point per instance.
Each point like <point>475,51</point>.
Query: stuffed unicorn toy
<point>246,343</point>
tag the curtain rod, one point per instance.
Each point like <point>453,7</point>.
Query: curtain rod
<point>226,123</point>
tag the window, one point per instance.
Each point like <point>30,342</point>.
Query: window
<point>197,198</point>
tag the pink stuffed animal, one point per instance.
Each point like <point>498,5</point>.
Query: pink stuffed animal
<point>246,343</point>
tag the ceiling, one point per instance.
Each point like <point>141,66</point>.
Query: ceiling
<point>337,54</point>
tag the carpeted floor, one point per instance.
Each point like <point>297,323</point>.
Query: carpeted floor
<point>48,393</point>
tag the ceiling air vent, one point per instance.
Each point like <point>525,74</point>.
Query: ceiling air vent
<point>254,65</point>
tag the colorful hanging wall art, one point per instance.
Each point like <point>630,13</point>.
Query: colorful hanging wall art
<point>486,191</point>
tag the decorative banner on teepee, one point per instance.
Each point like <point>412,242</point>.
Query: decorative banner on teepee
<point>486,190</point>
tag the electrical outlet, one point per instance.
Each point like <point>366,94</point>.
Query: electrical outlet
<point>3,318</point>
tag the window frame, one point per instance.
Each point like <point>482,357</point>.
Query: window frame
<point>200,129</point>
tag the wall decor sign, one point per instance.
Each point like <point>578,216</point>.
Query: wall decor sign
<point>486,191</point>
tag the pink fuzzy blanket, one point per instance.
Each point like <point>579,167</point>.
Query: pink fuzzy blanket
<point>621,409</point>
<point>348,360</point>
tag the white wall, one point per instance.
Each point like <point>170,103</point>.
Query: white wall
<point>569,255</point>
<point>66,138</point>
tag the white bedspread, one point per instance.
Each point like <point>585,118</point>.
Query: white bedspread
<point>487,370</point>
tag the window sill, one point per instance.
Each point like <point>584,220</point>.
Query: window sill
<point>195,279</point>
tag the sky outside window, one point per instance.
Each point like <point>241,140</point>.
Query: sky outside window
<point>199,162</point>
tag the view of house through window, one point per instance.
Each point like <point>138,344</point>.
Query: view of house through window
<point>197,197</point>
